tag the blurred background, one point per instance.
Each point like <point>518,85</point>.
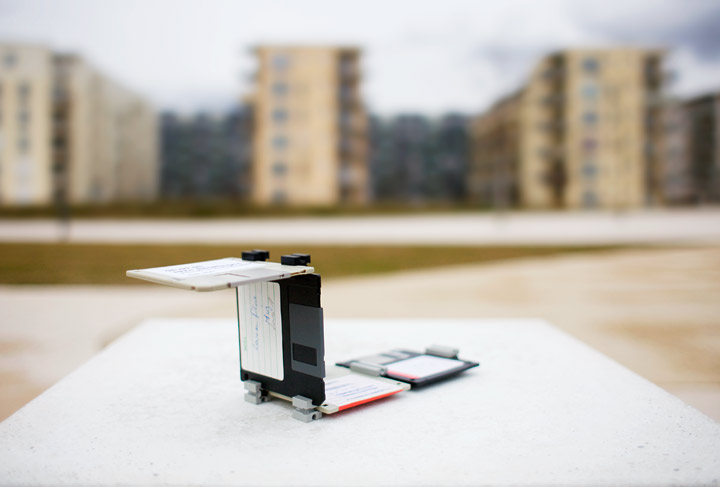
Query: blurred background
<point>476,159</point>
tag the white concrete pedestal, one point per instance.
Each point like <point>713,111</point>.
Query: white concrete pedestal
<point>163,405</point>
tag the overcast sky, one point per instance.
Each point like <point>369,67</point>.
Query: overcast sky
<point>419,56</point>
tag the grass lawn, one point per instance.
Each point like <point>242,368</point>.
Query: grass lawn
<point>106,264</point>
<point>228,208</point>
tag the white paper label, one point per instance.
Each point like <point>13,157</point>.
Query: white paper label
<point>209,267</point>
<point>355,389</point>
<point>422,366</point>
<point>261,329</point>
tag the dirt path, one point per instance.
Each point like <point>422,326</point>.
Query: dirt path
<point>655,311</point>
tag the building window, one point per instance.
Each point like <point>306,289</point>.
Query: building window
<point>346,92</point>
<point>653,74</point>
<point>589,199</point>
<point>279,169</point>
<point>24,117</point>
<point>347,65</point>
<point>345,119</point>
<point>345,143</point>
<point>24,145</point>
<point>279,115</point>
<point>589,91</point>
<point>279,197</point>
<point>280,62</point>
<point>279,142</point>
<point>10,59</point>
<point>590,118</point>
<point>59,92</point>
<point>24,91</point>
<point>280,89</point>
<point>589,170</point>
<point>545,152</point>
<point>589,145</point>
<point>590,65</point>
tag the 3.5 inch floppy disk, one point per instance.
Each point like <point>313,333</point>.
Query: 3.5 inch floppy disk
<point>280,329</point>
<point>213,275</point>
<point>419,369</point>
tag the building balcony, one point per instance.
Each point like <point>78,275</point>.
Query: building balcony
<point>348,69</point>
<point>552,126</point>
<point>655,99</point>
<point>553,100</point>
<point>553,153</point>
<point>552,73</point>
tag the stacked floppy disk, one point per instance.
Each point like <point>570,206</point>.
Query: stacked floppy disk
<point>281,336</point>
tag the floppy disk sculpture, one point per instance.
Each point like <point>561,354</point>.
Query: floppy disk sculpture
<point>281,337</point>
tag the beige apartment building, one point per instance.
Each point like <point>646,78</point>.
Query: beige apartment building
<point>69,134</point>
<point>495,154</point>
<point>310,127</point>
<point>589,131</point>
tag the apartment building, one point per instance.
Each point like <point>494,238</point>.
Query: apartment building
<point>703,143</point>
<point>692,164</point>
<point>495,155</point>
<point>678,187</point>
<point>69,134</point>
<point>589,131</point>
<point>310,140</point>
<point>206,155</point>
<point>417,159</point>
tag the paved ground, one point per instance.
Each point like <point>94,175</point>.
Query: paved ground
<point>656,311</point>
<point>660,226</point>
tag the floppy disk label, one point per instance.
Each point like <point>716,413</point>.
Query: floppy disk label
<point>210,267</point>
<point>423,366</point>
<point>354,389</point>
<point>261,329</point>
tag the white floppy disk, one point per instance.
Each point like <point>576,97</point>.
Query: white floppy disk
<point>212,275</point>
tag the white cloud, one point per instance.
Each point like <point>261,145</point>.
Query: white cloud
<point>420,56</point>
